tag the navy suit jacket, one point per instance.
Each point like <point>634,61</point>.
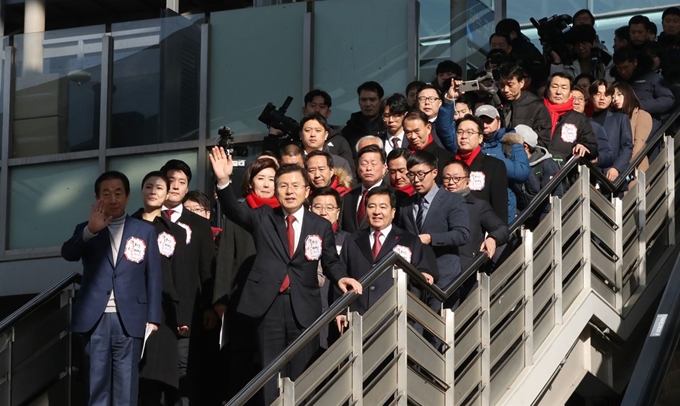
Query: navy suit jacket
<point>273,262</point>
<point>448,224</point>
<point>137,286</point>
<point>357,256</point>
<point>620,136</point>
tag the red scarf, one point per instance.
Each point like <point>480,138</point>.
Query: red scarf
<point>254,201</point>
<point>430,140</point>
<point>335,226</point>
<point>406,189</point>
<point>558,110</point>
<point>337,187</point>
<point>469,156</point>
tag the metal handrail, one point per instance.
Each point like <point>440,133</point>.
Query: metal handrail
<point>393,258</point>
<point>659,347</point>
<point>39,300</point>
<point>319,324</point>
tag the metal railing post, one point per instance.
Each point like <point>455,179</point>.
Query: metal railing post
<point>356,322</point>
<point>618,250</point>
<point>528,240</point>
<point>670,181</point>
<point>402,337</point>
<point>486,339</point>
<point>557,258</point>
<point>642,221</point>
<point>584,184</point>
<point>449,358</point>
<point>288,391</point>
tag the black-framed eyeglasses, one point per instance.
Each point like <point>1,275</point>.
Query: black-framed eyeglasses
<point>453,179</point>
<point>430,99</point>
<point>419,175</point>
<point>328,209</point>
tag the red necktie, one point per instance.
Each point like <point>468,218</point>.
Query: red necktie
<point>361,210</point>
<point>395,142</point>
<point>168,213</point>
<point>376,244</point>
<point>290,233</point>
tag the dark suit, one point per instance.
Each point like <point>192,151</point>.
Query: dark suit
<point>447,222</point>
<point>494,186</point>
<point>442,155</point>
<point>482,220</point>
<point>160,356</point>
<point>200,257</point>
<point>282,317</point>
<point>350,203</point>
<point>358,258</point>
<point>137,285</point>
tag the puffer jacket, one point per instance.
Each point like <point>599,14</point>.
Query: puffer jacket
<point>655,95</point>
<point>508,148</point>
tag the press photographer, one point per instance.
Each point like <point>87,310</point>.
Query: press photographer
<point>523,51</point>
<point>584,57</point>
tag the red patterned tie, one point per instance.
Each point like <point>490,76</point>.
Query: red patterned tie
<point>290,233</point>
<point>361,210</point>
<point>376,244</point>
<point>168,213</point>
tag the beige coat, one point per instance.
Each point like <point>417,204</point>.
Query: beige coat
<point>641,125</point>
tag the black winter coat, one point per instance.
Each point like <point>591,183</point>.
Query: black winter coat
<point>529,110</point>
<point>572,128</point>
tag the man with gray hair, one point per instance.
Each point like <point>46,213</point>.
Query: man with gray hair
<point>367,140</point>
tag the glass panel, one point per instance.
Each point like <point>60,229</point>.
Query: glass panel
<point>249,68</point>
<point>136,166</point>
<point>522,10</point>
<point>635,7</point>
<point>58,76</point>
<point>47,201</point>
<point>156,72</point>
<point>373,46</point>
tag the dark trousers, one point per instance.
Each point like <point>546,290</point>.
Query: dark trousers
<point>112,360</point>
<point>277,330</point>
<point>185,379</point>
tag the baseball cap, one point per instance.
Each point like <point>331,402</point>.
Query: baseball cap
<point>528,134</point>
<point>488,111</point>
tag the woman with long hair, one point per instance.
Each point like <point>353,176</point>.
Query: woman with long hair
<point>626,102</point>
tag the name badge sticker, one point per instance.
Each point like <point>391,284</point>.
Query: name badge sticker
<point>135,249</point>
<point>188,230</point>
<point>477,180</point>
<point>166,244</point>
<point>569,133</point>
<point>313,247</point>
<point>405,252</point>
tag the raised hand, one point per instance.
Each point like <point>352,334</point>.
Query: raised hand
<point>222,164</point>
<point>453,93</point>
<point>98,220</point>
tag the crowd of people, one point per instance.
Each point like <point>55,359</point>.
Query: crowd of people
<point>435,174</point>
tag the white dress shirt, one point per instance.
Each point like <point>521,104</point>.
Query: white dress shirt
<point>177,212</point>
<point>388,141</point>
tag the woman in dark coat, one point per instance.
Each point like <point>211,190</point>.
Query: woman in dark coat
<point>235,258</point>
<point>159,375</point>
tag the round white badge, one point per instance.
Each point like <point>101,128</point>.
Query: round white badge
<point>568,132</point>
<point>477,180</point>
<point>166,244</point>
<point>405,252</point>
<point>135,249</point>
<point>313,247</point>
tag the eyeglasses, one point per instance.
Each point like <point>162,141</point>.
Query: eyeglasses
<point>419,175</point>
<point>469,133</point>
<point>327,209</point>
<point>294,186</point>
<point>453,179</point>
<point>430,99</point>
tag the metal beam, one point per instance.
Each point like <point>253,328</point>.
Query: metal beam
<point>105,91</point>
<point>7,126</point>
<point>204,106</point>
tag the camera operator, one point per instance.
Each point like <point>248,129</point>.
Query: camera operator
<point>521,106</point>
<point>586,57</point>
<point>523,51</point>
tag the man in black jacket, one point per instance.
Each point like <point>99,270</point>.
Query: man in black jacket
<point>418,131</point>
<point>200,254</point>
<point>521,107</point>
<point>368,120</point>
<point>571,131</point>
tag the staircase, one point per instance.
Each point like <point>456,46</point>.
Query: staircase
<point>559,311</point>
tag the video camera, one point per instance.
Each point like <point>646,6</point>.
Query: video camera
<point>226,141</point>
<point>278,119</point>
<point>552,31</point>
